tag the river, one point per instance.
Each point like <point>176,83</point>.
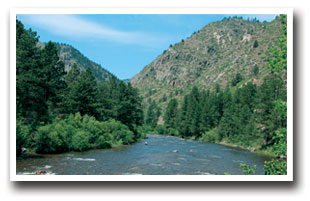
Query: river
<point>155,158</point>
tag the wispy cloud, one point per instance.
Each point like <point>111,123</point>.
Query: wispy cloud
<point>77,27</point>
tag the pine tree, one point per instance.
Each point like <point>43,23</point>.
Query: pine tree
<point>53,73</point>
<point>255,44</point>
<point>183,118</point>
<point>194,112</point>
<point>30,93</point>
<point>73,74</point>
<point>83,93</point>
<point>151,116</point>
<point>170,116</point>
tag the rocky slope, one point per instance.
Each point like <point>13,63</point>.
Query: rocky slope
<point>210,56</point>
<point>69,55</point>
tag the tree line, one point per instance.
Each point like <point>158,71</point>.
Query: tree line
<point>46,94</point>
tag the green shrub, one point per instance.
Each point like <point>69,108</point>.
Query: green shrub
<point>255,44</point>
<point>280,142</point>
<point>81,133</point>
<point>210,136</point>
<point>22,136</point>
<point>80,141</point>
<point>172,132</point>
<point>53,138</point>
<point>161,129</point>
<point>145,129</point>
<point>103,143</point>
<point>275,167</point>
<point>246,169</point>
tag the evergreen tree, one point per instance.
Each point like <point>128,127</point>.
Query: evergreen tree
<point>183,118</point>
<point>170,116</point>
<point>73,74</point>
<point>83,93</point>
<point>255,44</point>
<point>236,79</point>
<point>194,112</point>
<point>52,76</point>
<point>30,93</point>
<point>151,116</point>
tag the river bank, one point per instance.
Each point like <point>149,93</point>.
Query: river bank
<point>250,149</point>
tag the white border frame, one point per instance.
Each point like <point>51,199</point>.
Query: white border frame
<point>287,11</point>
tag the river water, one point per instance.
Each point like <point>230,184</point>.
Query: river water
<point>156,158</point>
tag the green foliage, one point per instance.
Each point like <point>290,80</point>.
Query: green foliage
<point>172,132</point>
<point>255,70</point>
<point>145,129</point>
<point>31,103</point>
<point>47,96</point>
<point>255,44</point>
<point>278,62</point>
<point>275,167</point>
<point>80,133</point>
<point>161,129</point>
<point>246,169</point>
<point>80,141</point>
<point>22,136</point>
<point>210,136</point>
<point>152,114</point>
<point>170,116</point>
<point>238,77</point>
<point>82,95</point>
<point>280,142</point>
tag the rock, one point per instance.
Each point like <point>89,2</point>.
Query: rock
<point>252,149</point>
<point>24,150</point>
<point>40,172</point>
<point>282,157</point>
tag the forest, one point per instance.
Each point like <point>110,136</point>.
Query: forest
<point>58,111</point>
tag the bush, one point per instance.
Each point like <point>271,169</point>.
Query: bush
<point>103,143</point>
<point>79,133</point>
<point>255,70</point>
<point>22,135</point>
<point>275,167</point>
<point>255,44</point>
<point>52,138</point>
<point>246,169</point>
<point>172,132</point>
<point>161,129</point>
<point>238,77</point>
<point>210,136</point>
<point>80,141</point>
<point>280,142</point>
<point>145,129</point>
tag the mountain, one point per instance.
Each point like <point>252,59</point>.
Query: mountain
<point>210,57</point>
<point>69,55</point>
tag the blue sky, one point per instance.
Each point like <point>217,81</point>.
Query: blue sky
<point>122,44</point>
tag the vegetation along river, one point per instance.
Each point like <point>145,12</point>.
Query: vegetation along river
<point>157,157</point>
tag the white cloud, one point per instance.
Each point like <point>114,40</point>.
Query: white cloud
<point>75,26</point>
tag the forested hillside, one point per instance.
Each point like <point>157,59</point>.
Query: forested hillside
<point>248,110</point>
<point>70,56</point>
<point>58,111</point>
